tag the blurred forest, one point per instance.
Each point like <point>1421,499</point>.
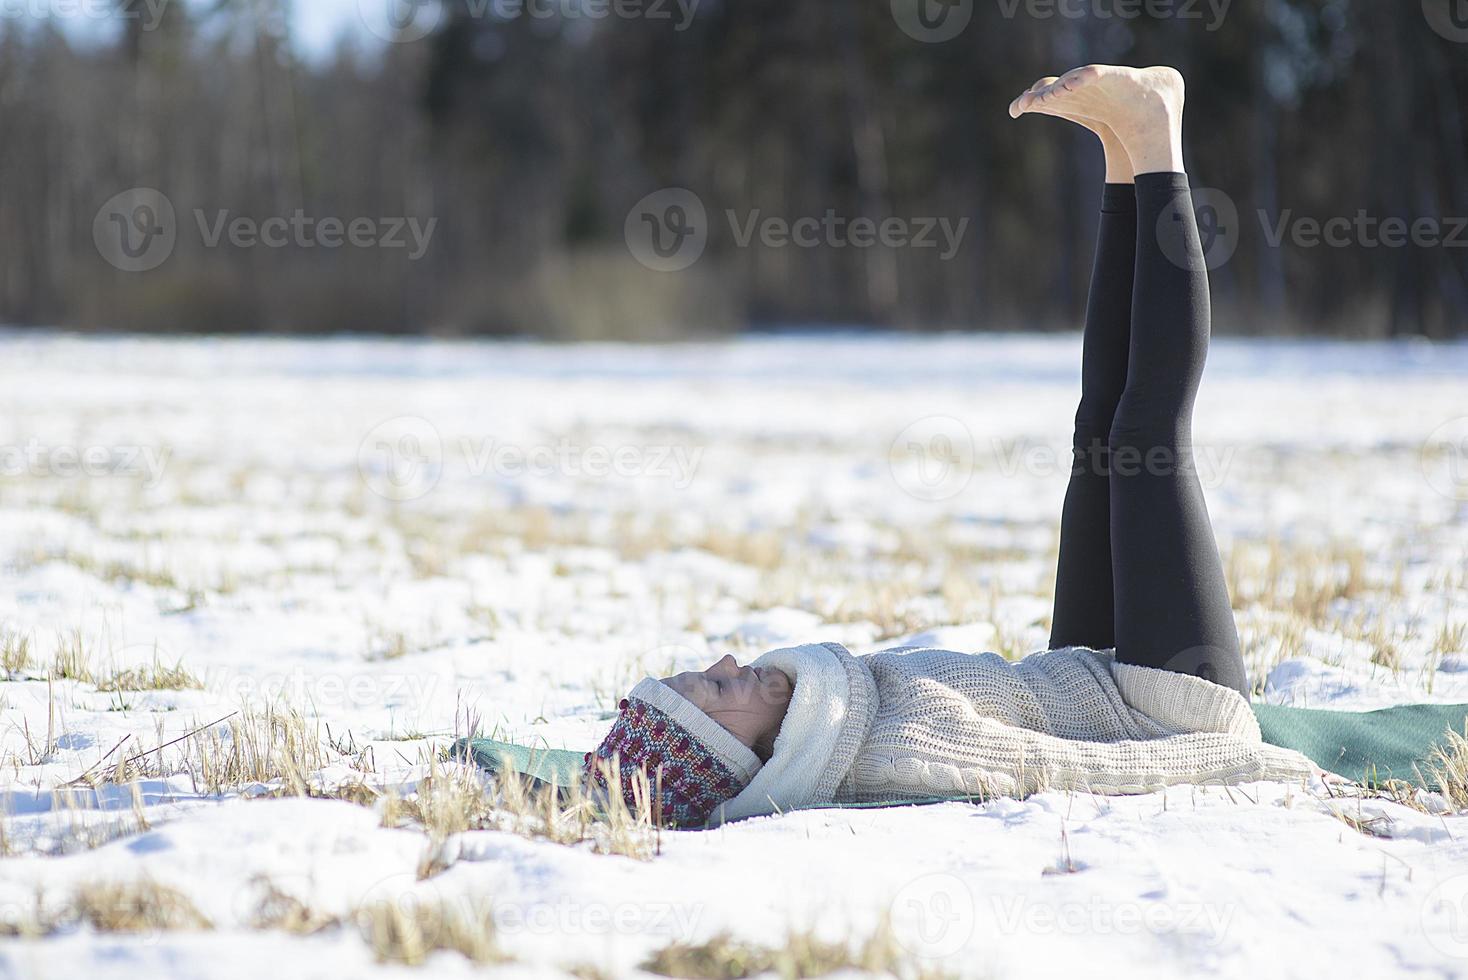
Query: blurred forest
<point>529,138</point>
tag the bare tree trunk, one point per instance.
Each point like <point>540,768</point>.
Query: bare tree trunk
<point>869,145</point>
<point>1269,261</point>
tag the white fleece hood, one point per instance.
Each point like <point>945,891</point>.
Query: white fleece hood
<point>831,709</point>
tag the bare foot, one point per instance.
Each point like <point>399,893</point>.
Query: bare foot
<point>1118,165</point>
<point>1142,106</point>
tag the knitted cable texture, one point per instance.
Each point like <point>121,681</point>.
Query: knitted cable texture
<point>961,724</point>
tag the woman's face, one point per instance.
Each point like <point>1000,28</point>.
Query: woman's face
<point>748,701</point>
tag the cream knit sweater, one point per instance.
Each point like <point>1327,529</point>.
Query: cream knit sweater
<point>918,723</point>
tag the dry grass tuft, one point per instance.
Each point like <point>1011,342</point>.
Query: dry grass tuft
<point>1451,638</point>
<point>1448,771</point>
<point>15,653</point>
<point>589,971</point>
<point>456,799</point>
<point>151,677</point>
<point>408,932</point>
<point>889,606</point>
<point>284,912</point>
<point>1371,826</point>
<point>72,661</point>
<point>1299,578</point>
<point>723,957</point>
<point>29,922</point>
<point>83,828</point>
<point>136,906</point>
<point>386,644</point>
<point>274,745</point>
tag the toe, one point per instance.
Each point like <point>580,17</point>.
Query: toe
<point>1026,101</point>
<point>1077,77</point>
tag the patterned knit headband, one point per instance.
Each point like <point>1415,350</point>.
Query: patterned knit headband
<point>701,763</point>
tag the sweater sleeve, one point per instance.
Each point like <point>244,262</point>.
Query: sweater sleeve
<point>1004,759</point>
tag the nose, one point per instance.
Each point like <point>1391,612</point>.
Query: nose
<point>726,665</point>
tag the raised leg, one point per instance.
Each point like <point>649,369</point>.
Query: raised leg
<point>1084,614</point>
<point>1172,604</point>
<point>1170,598</point>
<point>1084,603</point>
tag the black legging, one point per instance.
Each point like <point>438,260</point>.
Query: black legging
<point>1139,568</point>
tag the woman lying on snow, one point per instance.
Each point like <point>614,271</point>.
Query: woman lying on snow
<point>1143,685</point>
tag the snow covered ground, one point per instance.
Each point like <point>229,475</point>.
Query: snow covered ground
<point>395,539</point>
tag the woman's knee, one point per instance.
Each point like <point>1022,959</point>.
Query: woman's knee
<point>1159,447</point>
<point>1093,425</point>
<point>1145,420</point>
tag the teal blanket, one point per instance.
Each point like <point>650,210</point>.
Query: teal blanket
<point>1369,747</point>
